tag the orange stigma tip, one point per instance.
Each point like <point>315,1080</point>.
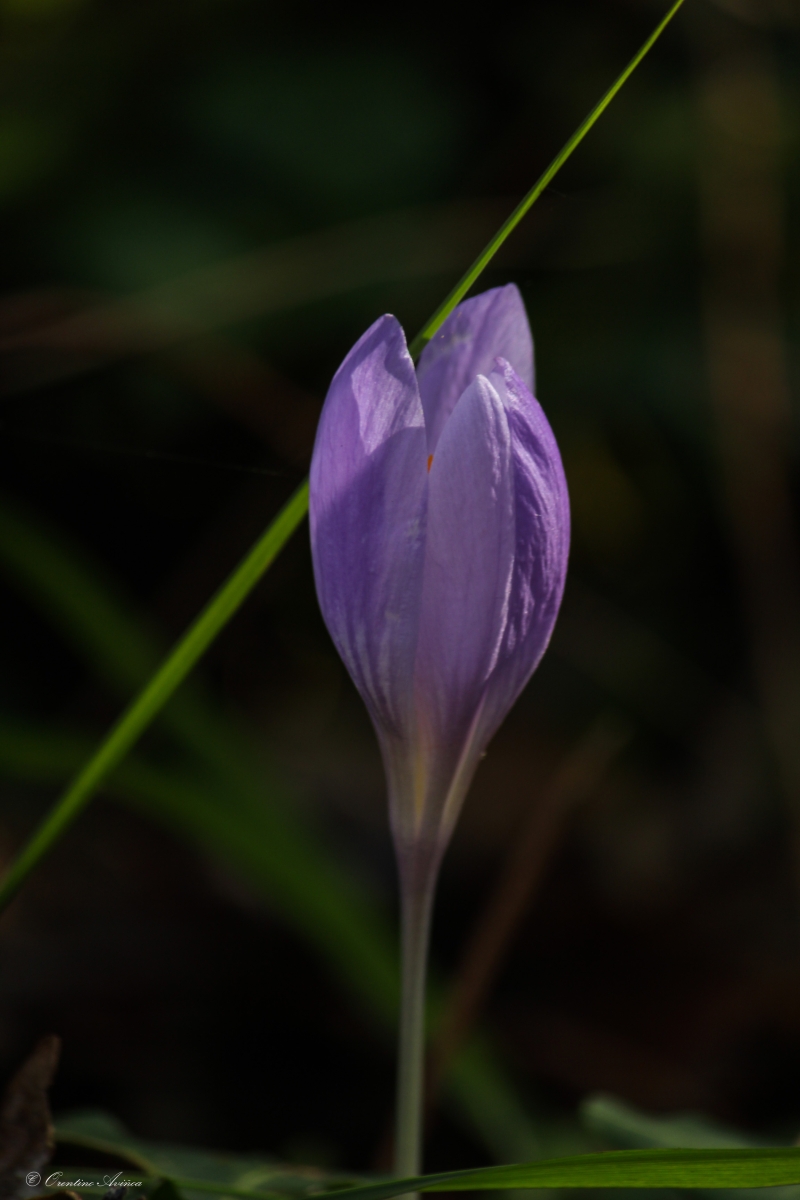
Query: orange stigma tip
<point>430,460</point>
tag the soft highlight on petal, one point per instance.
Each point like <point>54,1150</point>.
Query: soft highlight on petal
<point>541,551</point>
<point>469,559</point>
<point>476,332</point>
<point>367,519</point>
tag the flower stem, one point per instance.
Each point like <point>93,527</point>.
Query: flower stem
<point>418,874</point>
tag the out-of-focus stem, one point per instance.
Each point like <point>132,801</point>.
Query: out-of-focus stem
<point>418,873</point>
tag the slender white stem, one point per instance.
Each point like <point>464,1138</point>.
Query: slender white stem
<point>418,873</point>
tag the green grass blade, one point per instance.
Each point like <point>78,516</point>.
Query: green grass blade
<point>612,1169</point>
<point>190,648</point>
<point>625,1127</point>
<point>139,714</point>
<point>489,251</point>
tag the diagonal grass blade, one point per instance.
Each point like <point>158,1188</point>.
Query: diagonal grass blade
<point>487,254</point>
<point>214,617</point>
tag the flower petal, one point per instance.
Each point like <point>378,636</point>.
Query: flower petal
<point>476,332</point>
<point>542,527</point>
<point>367,516</point>
<point>469,558</point>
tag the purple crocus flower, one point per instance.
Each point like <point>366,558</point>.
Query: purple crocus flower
<point>440,534</point>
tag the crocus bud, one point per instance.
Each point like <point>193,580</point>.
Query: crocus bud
<point>440,535</point>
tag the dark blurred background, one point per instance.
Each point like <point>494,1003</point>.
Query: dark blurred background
<point>203,205</point>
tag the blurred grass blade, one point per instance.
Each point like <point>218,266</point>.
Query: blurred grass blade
<point>630,1128</point>
<point>71,593</point>
<point>86,613</point>
<point>420,242</point>
<point>139,714</point>
<point>394,246</point>
<point>102,1133</point>
<point>508,227</point>
<point>238,808</point>
<point>273,851</point>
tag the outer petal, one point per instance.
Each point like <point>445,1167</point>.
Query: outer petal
<point>476,332</point>
<point>367,514</point>
<point>542,528</point>
<point>469,559</point>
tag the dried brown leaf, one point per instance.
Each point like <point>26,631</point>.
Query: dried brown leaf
<point>26,1127</point>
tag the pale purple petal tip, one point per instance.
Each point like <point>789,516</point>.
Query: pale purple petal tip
<point>477,332</point>
<point>367,517</point>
